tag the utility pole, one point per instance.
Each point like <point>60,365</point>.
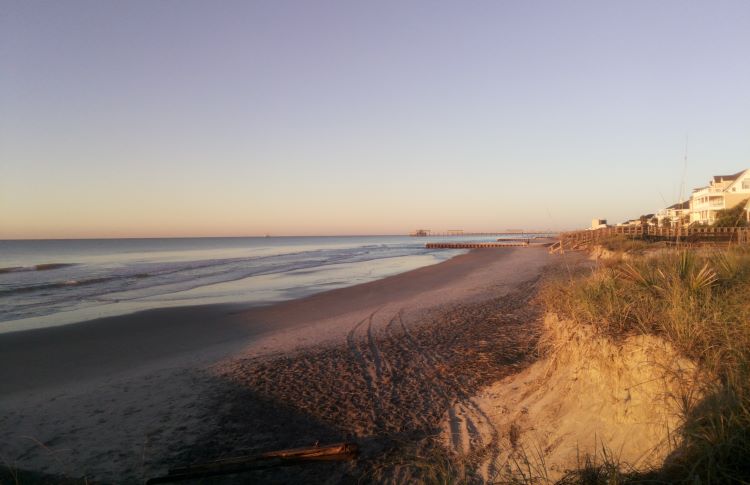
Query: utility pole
<point>682,192</point>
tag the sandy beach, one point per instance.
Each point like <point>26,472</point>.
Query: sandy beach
<point>124,398</point>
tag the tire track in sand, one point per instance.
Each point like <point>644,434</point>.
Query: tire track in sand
<point>466,418</point>
<point>379,361</point>
<point>365,351</point>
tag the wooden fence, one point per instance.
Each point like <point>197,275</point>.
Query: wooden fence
<point>579,239</point>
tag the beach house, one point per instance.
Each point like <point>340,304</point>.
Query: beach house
<point>674,215</point>
<point>598,223</point>
<point>723,192</point>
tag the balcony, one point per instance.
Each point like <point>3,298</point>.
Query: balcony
<point>707,202</point>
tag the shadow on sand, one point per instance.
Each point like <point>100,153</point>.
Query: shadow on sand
<point>387,389</point>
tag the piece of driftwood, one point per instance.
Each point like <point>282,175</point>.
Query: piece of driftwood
<point>271,459</point>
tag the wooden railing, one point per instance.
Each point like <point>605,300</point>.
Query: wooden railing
<point>579,239</point>
<point>519,232</point>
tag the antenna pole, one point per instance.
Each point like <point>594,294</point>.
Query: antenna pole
<point>682,189</point>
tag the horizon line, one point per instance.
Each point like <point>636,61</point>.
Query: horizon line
<point>468,233</point>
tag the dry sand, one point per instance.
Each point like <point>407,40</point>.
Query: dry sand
<point>123,398</point>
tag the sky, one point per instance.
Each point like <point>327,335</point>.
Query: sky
<point>183,118</point>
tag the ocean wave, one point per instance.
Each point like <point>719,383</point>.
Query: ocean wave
<point>37,267</point>
<point>96,284</point>
<point>58,284</point>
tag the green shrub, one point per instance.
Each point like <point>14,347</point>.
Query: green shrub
<point>732,217</point>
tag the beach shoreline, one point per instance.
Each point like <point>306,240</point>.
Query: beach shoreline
<point>53,283</point>
<point>142,385</point>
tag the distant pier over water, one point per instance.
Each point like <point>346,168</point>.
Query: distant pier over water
<point>461,233</point>
<point>477,245</point>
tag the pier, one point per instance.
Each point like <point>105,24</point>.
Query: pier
<point>476,245</point>
<point>460,233</point>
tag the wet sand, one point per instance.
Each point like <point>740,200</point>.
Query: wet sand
<point>122,398</point>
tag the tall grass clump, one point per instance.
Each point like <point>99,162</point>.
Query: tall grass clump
<point>700,303</point>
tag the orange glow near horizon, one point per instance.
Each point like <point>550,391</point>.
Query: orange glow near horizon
<point>112,217</point>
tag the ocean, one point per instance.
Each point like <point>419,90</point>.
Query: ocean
<point>54,282</point>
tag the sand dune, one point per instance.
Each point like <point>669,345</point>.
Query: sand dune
<point>587,395</point>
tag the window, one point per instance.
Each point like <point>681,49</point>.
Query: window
<point>745,184</point>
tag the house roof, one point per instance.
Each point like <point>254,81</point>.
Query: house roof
<point>680,205</point>
<point>725,178</point>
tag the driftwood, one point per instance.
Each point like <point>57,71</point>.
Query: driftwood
<point>271,459</point>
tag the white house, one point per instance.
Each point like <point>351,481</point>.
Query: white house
<point>598,223</point>
<point>724,192</point>
<point>674,214</point>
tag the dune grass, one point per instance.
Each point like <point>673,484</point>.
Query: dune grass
<point>624,244</point>
<point>699,301</point>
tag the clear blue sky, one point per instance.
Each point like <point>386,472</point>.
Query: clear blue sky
<point>136,118</point>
